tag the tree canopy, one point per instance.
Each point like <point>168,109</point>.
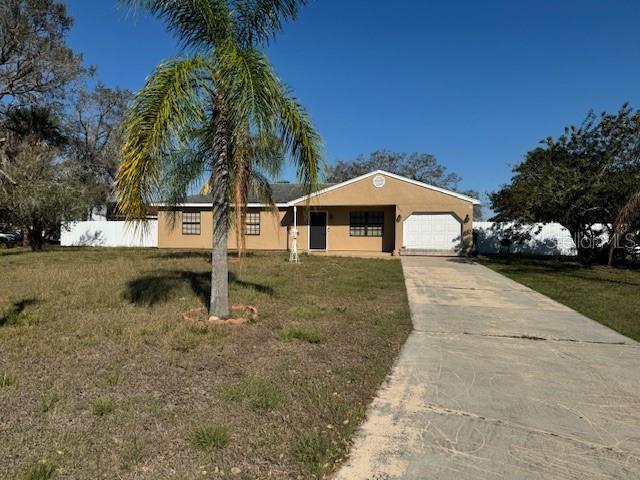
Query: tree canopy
<point>581,180</point>
<point>59,142</point>
<point>92,126</point>
<point>36,64</point>
<point>38,189</point>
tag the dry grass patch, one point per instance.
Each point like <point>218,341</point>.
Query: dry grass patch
<point>101,374</point>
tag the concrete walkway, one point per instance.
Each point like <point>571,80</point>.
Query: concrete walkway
<point>500,382</point>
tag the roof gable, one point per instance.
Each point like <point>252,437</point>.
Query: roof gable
<point>289,194</point>
<point>390,175</point>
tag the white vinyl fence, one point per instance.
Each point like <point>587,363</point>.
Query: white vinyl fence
<point>545,239</point>
<point>101,233</point>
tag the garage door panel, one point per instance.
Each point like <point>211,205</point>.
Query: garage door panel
<point>429,231</point>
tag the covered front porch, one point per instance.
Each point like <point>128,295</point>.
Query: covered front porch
<point>349,230</point>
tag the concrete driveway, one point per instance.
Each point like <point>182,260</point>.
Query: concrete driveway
<point>500,382</point>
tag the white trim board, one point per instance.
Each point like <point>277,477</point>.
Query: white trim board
<point>209,204</point>
<point>392,175</point>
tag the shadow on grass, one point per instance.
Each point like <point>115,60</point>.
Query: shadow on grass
<point>12,314</point>
<point>186,254</point>
<point>201,254</point>
<point>258,287</point>
<point>158,287</point>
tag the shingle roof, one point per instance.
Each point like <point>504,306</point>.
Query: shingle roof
<point>282,193</point>
<point>287,192</point>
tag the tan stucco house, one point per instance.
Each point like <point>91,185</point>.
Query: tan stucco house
<point>378,212</point>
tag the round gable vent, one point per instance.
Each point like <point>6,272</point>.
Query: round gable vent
<point>378,181</point>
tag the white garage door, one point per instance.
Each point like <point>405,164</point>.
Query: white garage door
<point>429,231</point>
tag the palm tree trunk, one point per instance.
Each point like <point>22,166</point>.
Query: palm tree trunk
<point>219,304</point>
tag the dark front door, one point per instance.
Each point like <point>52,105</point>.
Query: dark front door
<point>318,230</point>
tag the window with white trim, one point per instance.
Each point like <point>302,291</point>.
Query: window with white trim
<point>366,224</point>
<point>191,223</point>
<point>252,223</point>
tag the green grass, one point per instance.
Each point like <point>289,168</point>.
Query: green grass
<point>48,401</point>
<point>103,407</point>
<point>100,372</point>
<point>610,296</point>
<point>314,449</point>
<point>133,454</point>
<point>302,334</point>
<point>113,377</point>
<point>42,471</point>
<point>210,437</point>
<point>256,393</point>
<point>7,379</point>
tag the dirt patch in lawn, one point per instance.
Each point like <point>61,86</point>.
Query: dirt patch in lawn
<point>100,377</point>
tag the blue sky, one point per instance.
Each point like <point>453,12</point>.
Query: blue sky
<point>475,83</point>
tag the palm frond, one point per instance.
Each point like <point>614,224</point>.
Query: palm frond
<point>256,96</point>
<point>257,21</point>
<point>267,152</point>
<point>261,188</point>
<point>197,24</point>
<point>162,112</point>
<point>628,214</point>
<point>241,179</point>
<point>181,171</point>
<point>301,140</point>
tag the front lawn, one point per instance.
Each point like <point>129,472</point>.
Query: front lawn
<point>610,296</point>
<point>101,378</point>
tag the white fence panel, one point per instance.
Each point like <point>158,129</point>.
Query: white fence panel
<point>546,239</point>
<point>101,233</point>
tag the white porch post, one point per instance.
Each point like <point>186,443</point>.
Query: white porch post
<point>293,254</point>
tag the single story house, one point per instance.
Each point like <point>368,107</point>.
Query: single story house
<point>377,212</point>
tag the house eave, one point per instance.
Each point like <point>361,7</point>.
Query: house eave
<point>208,204</point>
<point>389,174</point>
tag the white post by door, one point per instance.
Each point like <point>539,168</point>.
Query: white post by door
<point>293,254</point>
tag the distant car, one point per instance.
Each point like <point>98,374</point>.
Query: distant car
<point>9,238</point>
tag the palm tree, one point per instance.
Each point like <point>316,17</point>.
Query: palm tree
<point>220,111</point>
<point>627,215</point>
